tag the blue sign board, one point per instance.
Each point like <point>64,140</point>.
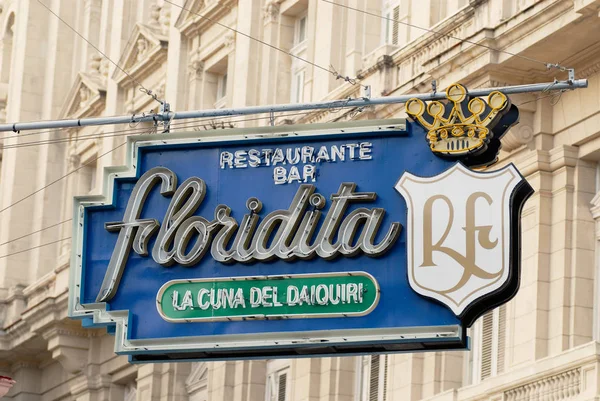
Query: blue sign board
<point>293,240</point>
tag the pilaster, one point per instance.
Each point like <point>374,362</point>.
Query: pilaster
<point>244,66</point>
<point>221,380</point>
<point>337,379</point>
<point>249,382</point>
<point>306,379</point>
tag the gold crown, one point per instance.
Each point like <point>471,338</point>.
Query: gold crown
<point>454,133</point>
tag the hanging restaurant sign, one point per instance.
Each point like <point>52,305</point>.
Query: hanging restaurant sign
<point>369,236</point>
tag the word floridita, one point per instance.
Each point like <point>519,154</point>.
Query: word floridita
<point>285,234</point>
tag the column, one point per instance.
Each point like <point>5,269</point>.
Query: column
<point>250,380</point>
<point>337,379</point>
<point>221,380</point>
<point>243,70</point>
<point>306,379</point>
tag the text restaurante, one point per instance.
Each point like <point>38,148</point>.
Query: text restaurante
<point>285,234</point>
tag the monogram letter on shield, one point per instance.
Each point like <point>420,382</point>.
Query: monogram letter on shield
<point>458,233</point>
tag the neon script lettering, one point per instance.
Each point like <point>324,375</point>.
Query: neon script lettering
<point>184,238</point>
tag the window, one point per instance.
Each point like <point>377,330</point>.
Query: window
<point>372,372</point>
<point>395,13</point>
<point>489,354</point>
<point>300,30</point>
<point>222,86</point>
<point>438,11</point>
<point>298,87</point>
<point>278,372</point>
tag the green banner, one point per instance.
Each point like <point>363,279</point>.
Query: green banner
<point>268,297</point>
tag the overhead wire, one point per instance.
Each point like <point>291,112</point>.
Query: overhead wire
<point>61,178</point>
<point>197,123</point>
<point>90,162</point>
<point>37,231</point>
<point>135,81</point>
<point>546,64</point>
<point>352,81</point>
<point>35,247</point>
<point>154,96</point>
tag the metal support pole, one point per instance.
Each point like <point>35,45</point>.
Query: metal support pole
<point>360,102</point>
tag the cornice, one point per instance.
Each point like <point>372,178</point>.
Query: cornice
<point>589,71</point>
<point>190,24</point>
<point>146,50</point>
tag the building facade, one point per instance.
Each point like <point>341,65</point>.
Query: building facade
<point>542,345</point>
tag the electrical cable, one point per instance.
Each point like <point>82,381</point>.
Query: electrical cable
<point>136,131</point>
<point>547,65</point>
<point>67,220</point>
<point>331,71</point>
<point>35,247</point>
<point>37,231</point>
<point>61,178</point>
<point>136,82</point>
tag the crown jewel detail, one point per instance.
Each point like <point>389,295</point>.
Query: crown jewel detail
<point>461,126</point>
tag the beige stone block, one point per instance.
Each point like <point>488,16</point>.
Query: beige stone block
<point>583,292</point>
<point>524,329</point>
<point>558,262</point>
<point>523,352</point>
<point>584,234</point>
<point>584,263</point>
<point>558,323</point>
<point>400,374</point>
<point>561,235</point>
<point>541,329</point>
<point>525,300</point>
<point>346,382</point>
<point>559,290</point>
<point>583,318</point>
<point>452,368</point>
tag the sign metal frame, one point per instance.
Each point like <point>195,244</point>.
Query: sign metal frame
<point>219,347</point>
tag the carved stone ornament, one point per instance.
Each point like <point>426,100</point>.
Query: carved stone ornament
<point>165,19</point>
<point>229,39</point>
<point>142,47</point>
<point>95,65</point>
<point>196,64</point>
<point>271,12</point>
<point>74,160</point>
<point>196,68</point>
<point>154,15</point>
<point>84,96</point>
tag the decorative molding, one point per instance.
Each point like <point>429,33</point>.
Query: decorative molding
<point>190,23</point>
<point>154,16</point>
<point>589,71</point>
<point>520,134</point>
<point>196,65</point>
<point>146,50</point>
<point>87,95</point>
<point>193,6</point>
<point>198,378</point>
<point>68,346</point>
<point>561,386</point>
<point>229,39</point>
<point>271,11</point>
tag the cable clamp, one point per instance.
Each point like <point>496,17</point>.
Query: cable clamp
<point>272,118</point>
<point>366,92</point>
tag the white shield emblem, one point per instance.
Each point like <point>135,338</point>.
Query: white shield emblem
<point>458,233</point>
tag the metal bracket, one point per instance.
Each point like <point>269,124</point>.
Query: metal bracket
<point>272,118</point>
<point>165,109</point>
<point>366,92</point>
